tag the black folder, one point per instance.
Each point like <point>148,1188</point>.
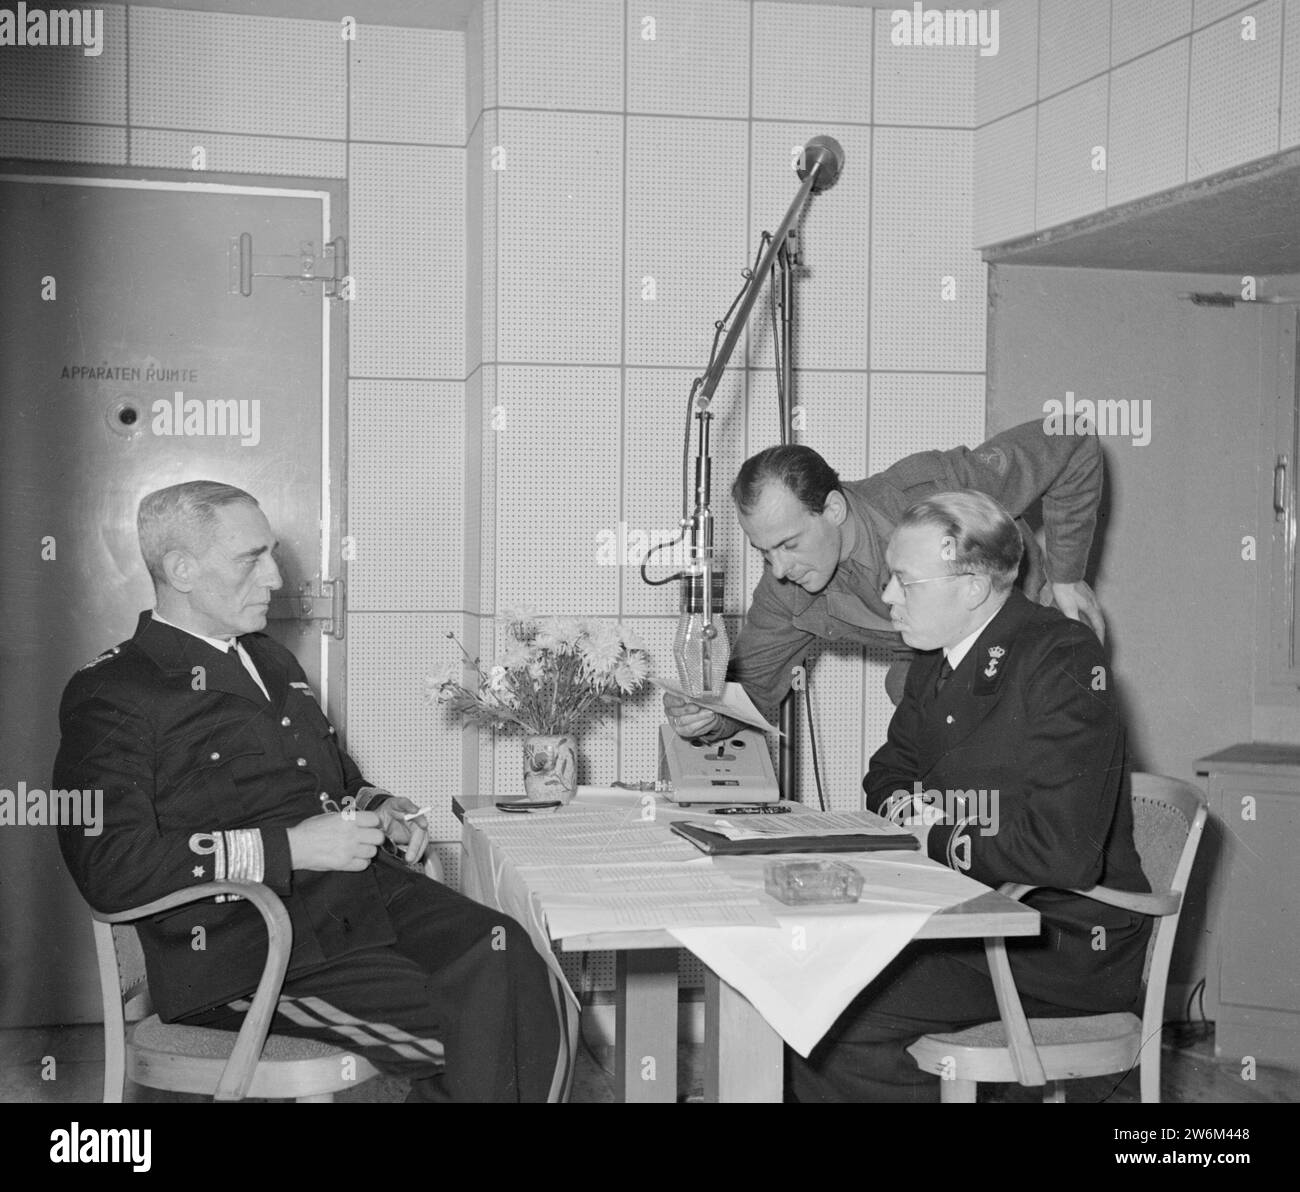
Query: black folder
<point>718,845</point>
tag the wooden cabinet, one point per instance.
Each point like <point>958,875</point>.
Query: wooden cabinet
<point>1253,975</point>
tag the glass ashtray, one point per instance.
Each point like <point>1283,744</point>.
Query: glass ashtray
<point>800,883</point>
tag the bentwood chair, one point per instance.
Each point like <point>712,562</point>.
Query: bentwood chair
<point>1168,818</point>
<point>223,1064</point>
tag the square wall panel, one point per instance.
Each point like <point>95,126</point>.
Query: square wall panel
<point>63,142</point>
<point>688,59</point>
<point>493,422</point>
<point>64,82</point>
<point>928,294</point>
<point>402,740</point>
<point>1141,25</point>
<point>925,84</point>
<point>561,55</point>
<point>560,237</point>
<point>1235,92</point>
<point>406,497</point>
<point>407,257</point>
<point>236,155</point>
<point>1148,124</point>
<point>474,51</point>
<point>408,85</point>
<point>922,413</point>
<point>1291,85</point>
<point>491,52</point>
<point>473,547</point>
<point>1005,169</point>
<point>1071,130</point>
<point>237,74</point>
<point>481,159</point>
<point>685,235</point>
<point>1074,43</point>
<point>812,62</point>
<point>476,256</point>
<point>557,477</point>
<point>1008,80</point>
<point>830,415</point>
<point>655,424</point>
<point>834,244</point>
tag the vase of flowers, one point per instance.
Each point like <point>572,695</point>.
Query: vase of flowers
<point>551,677</point>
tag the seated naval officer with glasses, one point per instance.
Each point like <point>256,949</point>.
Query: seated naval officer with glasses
<point>217,764</point>
<point>823,544</point>
<point>1008,759</point>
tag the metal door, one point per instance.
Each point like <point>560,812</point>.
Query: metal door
<point>143,343</point>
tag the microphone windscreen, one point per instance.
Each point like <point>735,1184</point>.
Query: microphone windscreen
<point>827,153</point>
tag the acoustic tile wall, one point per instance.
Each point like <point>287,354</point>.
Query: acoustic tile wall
<point>1088,106</point>
<point>387,112</point>
<point>629,161</point>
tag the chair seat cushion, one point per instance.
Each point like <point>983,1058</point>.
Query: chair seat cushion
<point>1046,1032</point>
<point>200,1042</point>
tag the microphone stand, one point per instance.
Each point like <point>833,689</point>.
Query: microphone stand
<point>787,261</point>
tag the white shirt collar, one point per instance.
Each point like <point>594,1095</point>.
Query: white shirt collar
<point>956,653</point>
<point>220,643</point>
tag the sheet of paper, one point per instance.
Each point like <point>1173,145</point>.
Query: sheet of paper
<point>731,702</point>
<point>822,823</point>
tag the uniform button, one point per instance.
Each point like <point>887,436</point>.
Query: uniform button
<point>331,730</point>
<point>214,756</point>
<point>286,722</point>
<point>302,761</point>
<point>949,719</point>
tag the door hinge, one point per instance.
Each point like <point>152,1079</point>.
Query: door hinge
<point>328,270</point>
<point>327,606</point>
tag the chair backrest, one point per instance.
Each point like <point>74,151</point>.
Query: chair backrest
<point>1168,819</point>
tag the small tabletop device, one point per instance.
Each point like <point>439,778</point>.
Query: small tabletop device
<point>735,770</point>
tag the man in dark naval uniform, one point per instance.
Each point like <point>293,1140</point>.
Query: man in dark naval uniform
<point>823,547</point>
<point>217,764</point>
<point>1008,759</point>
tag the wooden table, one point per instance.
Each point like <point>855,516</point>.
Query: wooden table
<point>743,1054</point>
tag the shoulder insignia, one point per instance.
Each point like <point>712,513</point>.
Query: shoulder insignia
<point>993,458</point>
<point>104,657</point>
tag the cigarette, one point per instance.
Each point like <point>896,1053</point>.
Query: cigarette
<point>410,815</point>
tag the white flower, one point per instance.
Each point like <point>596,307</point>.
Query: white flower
<point>600,647</point>
<point>516,655</point>
<point>630,639</point>
<point>631,672</point>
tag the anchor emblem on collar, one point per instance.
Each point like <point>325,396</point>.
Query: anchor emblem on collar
<point>995,656</point>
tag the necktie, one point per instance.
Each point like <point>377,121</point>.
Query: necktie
<point>945,673</point>
<point>248,666</point>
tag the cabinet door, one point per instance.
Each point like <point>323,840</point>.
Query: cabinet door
<point>1259,923</point>
<point>1278,672</point>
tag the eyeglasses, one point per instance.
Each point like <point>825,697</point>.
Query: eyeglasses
<point>911,583</point>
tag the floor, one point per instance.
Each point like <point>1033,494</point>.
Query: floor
<point>65,1064</point>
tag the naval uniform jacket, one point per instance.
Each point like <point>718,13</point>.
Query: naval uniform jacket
<point>202,778</point>
<point>1017,468</point>
<point>1030,713</point>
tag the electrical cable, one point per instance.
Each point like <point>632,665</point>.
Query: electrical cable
<point>812,738</point>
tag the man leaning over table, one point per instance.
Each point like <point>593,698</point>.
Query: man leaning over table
<point>1014,704</point>
<point>217,764</point>
<point>823,544</point>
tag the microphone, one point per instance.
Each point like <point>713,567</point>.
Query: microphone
<point>700,648</point>
<point>827,156</point>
